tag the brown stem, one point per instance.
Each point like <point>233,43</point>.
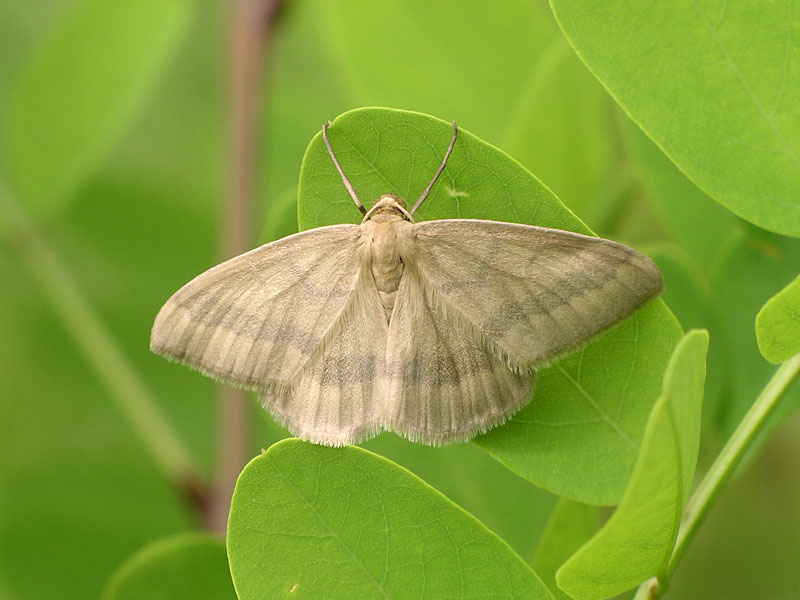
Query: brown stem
<point>250,29</point>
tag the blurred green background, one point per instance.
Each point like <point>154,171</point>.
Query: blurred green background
<point>121,161</point>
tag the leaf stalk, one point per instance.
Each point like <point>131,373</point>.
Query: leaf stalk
<point>722,469</point>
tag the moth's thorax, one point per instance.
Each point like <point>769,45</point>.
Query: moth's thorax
<point>386,240</point>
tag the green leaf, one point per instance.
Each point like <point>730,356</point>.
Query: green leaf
<point>580,435</point>
<point>714,84</point>
<point>386,150</point>
<point>683,389</point>
<point>637,540</point>
<point>82,89</point>
<point>309,521</point>
<point>571,524</point>
<point>190,566</point>
<point>470,477</point>
<point>778,324</point>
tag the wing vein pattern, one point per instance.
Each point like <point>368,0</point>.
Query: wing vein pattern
<point>256,320</point>
<point>532,293</point>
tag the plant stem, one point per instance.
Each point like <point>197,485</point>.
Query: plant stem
<point>250,28</point>
<point>723,468</point>
<point>731,455</point>
<point>98,346</point>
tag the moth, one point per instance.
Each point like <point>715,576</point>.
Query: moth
<point>433,330</point>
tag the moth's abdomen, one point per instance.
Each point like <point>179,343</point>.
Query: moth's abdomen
<point>383,241</point>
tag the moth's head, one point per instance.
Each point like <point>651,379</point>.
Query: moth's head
<point>388,208</point>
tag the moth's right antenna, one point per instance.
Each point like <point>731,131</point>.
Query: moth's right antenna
<point>345,180</point>
<point>438,171</point>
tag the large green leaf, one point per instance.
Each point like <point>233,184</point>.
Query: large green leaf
<point>187,566</point>
<point>386,150</point>
<point>470,478</point>
<point>714,84</point>
<point>778,324</point>
<point>308,521</point>
<point>580,435</point>
<point>81,89</point>
<point>637,540</point>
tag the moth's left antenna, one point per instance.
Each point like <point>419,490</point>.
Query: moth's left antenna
<point>345,180</point>
<point>427,190</point>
